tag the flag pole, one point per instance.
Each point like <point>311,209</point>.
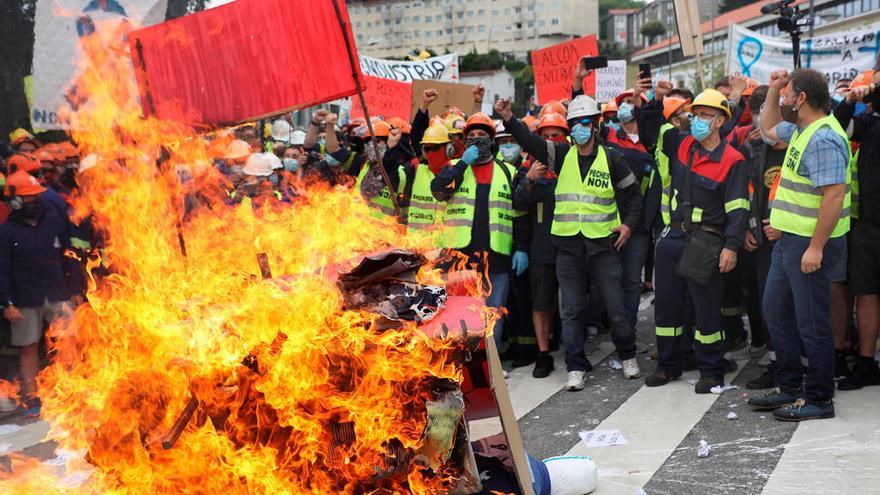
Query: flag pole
<point>360,91</point>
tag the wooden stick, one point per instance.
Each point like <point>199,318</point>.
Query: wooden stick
<point>173,434</point>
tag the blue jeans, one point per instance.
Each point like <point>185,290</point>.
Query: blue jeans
<point>632,257</point>
<point>797,315</point>
<point>574,274</point>
<point>497,299</point>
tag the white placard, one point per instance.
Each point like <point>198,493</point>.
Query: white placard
<point>611,80</point>
<point>442,68</point>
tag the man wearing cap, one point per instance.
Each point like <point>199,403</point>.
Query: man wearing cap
<point>597,204</point>
<point>480,221</point>
<point>36,278</point>
<point>812,210</point>
<point>708,207</point>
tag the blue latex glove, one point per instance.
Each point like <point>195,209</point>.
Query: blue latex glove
<point>520,262</point>
<point>470,155</point>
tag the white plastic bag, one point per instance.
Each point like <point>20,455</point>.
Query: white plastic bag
<point>571,475</point>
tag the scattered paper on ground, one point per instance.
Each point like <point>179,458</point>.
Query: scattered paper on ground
<point>7,429</point>
<point>603,438</point>
<point>720,389</point>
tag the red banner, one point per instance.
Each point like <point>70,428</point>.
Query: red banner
<point>554,68</point>
<point>244,60</point>
<point>385,97</point>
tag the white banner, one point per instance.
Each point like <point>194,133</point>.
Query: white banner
<point>839,55</point>
<point>442,68</point>
<point>58,26</point>
<point>611,80</point>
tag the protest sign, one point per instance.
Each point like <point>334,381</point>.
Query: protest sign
<point>611,80</point>
<point>58,27</point>
<point>554,68</point>
<point>442,68</point>
<point>451,95</point>
<point>839,55</point>
<point>385,98</point>
<point>214,67</point>
<point>687,20</point>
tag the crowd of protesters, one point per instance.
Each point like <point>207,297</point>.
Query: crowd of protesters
<point>752,198</point>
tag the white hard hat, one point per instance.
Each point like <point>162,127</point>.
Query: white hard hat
<point>273,160</point>
<point>500,131</point>
<point>298,138</point>
<point>281,131</point>
<point>582,106</point>
<point>258,164</point>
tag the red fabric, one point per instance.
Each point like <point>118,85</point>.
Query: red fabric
<point>627,143</point>
<point>386,98</point>
<point>703,164</point>
<point>739,136</point>
<point>483,172</point>
<point>555,65</point>
<point>244,60</point>
<point>437,160</point>
<point>4,212</point>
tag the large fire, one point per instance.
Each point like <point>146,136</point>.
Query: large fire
<point>292,394</point>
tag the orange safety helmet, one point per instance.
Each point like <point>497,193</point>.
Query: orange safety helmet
<point>530,121</point>
<point>628,94</point>
<point>609,107</point>
<point>22,184</point>
<point>552,106</point>
<point>67,150</point>
<point>552,119</point>
<point>453,111</point>
<point>399,123</point>
<point>46,154</point>
<point>672,104</point>
<point>435,120</point>
<point>22,162</point>
<point>480,119</point>
<point>380,128</point>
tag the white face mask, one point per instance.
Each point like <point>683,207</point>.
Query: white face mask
<point>633,137</point>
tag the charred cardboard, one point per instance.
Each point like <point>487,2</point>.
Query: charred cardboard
<point>451,95</point>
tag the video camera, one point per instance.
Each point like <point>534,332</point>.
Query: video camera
<point>791,19</point>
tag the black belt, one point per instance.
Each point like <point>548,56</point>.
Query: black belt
<point>696,226</point>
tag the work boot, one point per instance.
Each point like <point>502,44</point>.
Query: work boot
<point>576,381</point>
<point>543,365</point>
<point>631,369</point>
<point>841,369</point>
<point>865,373</point>
<point>776,398</point>
<point>659,378</point>
<point>766,380</point>
<point>802,410</point>
<point>730,366</point>
<point>522,359</point>
<point>705,385</point>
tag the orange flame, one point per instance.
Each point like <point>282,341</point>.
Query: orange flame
<point>331,402</point>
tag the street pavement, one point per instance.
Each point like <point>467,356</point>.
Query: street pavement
<point>752,454</point>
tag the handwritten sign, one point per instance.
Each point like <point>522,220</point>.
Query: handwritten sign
<point>442,68</point>
<point>611,80</point>
<point>385,97</point>
<point>554,68</point>
<point>839,55</point>
<point>451,95</point>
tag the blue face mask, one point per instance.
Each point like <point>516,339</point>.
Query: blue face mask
<point>321,142</point>
<point>625,112</point>
<point>510,151</point>
<point>274,180</point>
<point>837,97</point>
<point>290,164</point>
<point>581,134</point>
<point>613,125</point>
<point>333,162</point>
<point>700,128</point>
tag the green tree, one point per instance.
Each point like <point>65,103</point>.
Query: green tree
<point>652,29</point>
<point>474,62</point>
<point>16,52</point>
<point>728,5</point>
<point>606,5</point>
<point>178,8</point>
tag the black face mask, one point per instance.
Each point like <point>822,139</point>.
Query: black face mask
<point>30,212</point>
<point>484,145</point>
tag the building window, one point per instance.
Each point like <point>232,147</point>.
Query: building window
<point>428,34</point>
<point>555,22</point>
<point>517,10</point>
<point>417,18</point>
<point>459,15</point>
<point>470,29</point>
<point>542,23</point>
<point>369,10</point>
<point>449,31</point>
<point>531,24</point>
<point>494,12</point>
<point>482,29</point>
<point>470,13</point>
<point>417,33</point>
<point>507,11</point>
<point>481,12</point>
<point>439,32</point>
<point>358,24</point>
<point>369,24</point>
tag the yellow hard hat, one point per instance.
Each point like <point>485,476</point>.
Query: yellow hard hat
<point>436,134</point>
<point>19,135</point>
<point>712,98</point>
<point>455,124</point>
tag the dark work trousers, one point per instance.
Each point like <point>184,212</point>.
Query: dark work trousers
<point>676,296</point>
<point>731,308</point>
<point>520,329</point>
<point>595,310</point>
<point>755,267</point>
<point>574,274</point>
<point>633,257</point>
<point>796,307</point>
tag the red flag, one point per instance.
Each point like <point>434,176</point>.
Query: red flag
<point>245,60</point>
<point>385,97</point>
<point>554,68</point>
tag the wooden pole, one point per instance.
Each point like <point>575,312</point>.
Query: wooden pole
<point>391,192</point>
<point>700,69</point>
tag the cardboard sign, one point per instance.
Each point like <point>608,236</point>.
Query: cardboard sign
<point>451,94</point>
<point>59,27</point>
<point>687,19</point>
<point>554,68</point>
<point>245,60</point>
<point>611,80</point>
<point>442,68</point>
<point>385,98</point>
